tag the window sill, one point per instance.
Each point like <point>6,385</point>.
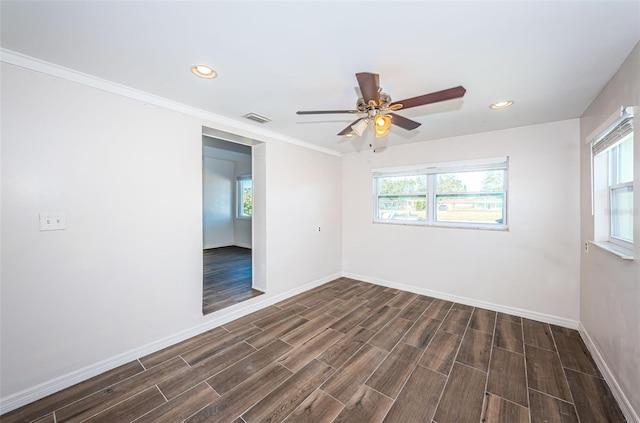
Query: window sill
<point>623,253</point>
<point>503,228</point>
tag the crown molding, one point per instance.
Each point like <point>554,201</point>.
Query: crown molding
<point>214,120</point>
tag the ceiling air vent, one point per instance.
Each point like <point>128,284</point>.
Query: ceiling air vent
<point>257,118</point>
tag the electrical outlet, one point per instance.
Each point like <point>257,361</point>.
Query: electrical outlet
<point>53,221</point>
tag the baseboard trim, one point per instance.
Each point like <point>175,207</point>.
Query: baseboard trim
<point>241,245</point>
<point>625,405</point>
<point>214,320</point>
<point>529,314</point>
<point>210,246</point>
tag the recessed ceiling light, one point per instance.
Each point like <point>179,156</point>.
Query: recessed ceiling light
<point>501,104</point>
<point>204,71</point>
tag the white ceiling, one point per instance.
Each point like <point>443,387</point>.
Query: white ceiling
<point>273,58</point>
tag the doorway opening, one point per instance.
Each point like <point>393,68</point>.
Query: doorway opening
<point>228,206</point>
<point>226,278</point>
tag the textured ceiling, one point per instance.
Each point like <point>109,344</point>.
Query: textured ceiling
<point>273,58</point>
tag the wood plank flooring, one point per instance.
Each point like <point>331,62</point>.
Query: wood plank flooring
<point>349,351</point>
<point>226,278</point>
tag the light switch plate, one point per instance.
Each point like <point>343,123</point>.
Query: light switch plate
<point>53,221</point>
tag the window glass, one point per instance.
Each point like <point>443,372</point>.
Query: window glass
<point>402,198</point>
<point>245,198</point>
<point>470,203</point>
<point>476,208</point>
<point>401,207</point>
<point>622,213</point>
<point>479,181</point>
<point>415,184</point>
<point>625,160</point>
<point>621,190</point>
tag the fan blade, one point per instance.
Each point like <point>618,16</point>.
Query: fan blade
<point>325,112</point>
<point>348,129</point>
<point>369,86</point>
<point>436,97</point>
<point>403,122</point>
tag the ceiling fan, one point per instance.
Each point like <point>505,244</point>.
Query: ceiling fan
<point>378,107</point>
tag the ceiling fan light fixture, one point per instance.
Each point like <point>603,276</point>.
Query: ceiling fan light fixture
<point>349,135</point>
<point>360,126</point>
<point>204,71</point>
<point>383,122</point>
<point>501,104</point>
<point>380,133</point>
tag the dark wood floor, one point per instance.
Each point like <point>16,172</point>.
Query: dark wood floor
<point>226,278</point>
<point>349,351</point>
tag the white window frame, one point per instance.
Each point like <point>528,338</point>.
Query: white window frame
<point>431,171</point>
<point>605,167</point>
<point>239,203</point>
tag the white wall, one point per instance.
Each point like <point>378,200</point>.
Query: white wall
<point>259,218</point>
<point>242,227</point>
<point>533,267</point>
<point>127,272</point>
<point>610,286</point>
<point>296,250</point>
<point>218,216</point>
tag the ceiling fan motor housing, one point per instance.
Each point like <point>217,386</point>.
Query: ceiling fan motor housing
<point>362,106</point>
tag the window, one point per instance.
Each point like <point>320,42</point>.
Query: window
<point>245,197</point>
<point>402,197</point>
<point>621,189</point>
<point>465,194</point>
<point>613,182</point>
